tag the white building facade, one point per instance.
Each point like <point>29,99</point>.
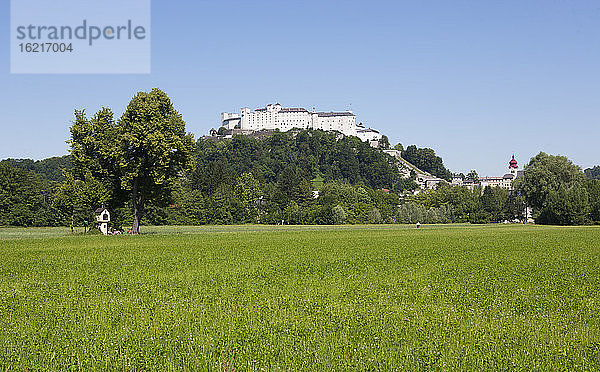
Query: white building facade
<point>286,118</point>
<point>230,121</point>
<point>370,135</point>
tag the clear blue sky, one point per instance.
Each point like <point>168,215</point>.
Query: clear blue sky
<point>475,80</point>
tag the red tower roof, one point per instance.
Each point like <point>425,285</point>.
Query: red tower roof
<point>513,163</point>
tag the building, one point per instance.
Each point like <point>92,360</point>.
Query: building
<point>504,182</point>
<point>370,135</point>
<point>102,219</point>
<point>230,121</point>
<point>284,119</point>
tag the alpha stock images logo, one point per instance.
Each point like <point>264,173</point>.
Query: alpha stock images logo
<point>80,36</point>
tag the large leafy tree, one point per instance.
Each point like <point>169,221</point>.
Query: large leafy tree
<point>153,149</point>
<point>139,156</point>
<point>554,187</point>
<point>93,151</point>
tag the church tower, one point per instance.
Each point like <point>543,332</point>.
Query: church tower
<point>512,166</point>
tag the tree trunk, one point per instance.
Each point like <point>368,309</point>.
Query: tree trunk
<point>138,210</point>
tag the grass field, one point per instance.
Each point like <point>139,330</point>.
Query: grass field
<point>313,298</point>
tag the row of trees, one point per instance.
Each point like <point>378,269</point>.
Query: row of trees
<point>51,169</point>
<point>459,204</point>
<point>230,199</point>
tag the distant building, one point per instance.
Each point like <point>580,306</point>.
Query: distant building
<point>504,182</point>
<point>370,135</point>
<point>276,117</point>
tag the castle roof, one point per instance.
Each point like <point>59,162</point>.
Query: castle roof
<point>328,114</point>
<point>369,130</point>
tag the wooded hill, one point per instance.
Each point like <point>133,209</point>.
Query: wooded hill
<point>267,180</point>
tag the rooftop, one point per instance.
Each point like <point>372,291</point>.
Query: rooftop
<point>326,114</point>
<point>293,109</point>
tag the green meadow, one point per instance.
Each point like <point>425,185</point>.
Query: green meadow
<point>379,297</point>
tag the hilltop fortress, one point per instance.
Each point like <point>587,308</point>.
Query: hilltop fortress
<point>276,117</point>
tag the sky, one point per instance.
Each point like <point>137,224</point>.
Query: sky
<point>477,81</point>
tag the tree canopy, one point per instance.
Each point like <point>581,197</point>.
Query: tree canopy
<point>51,169</point>
<point>139,157</point>
<point>25,198</point>
<point>554,187</point>
<point>310,154</point>
<point>426,160</point>
<point>593,173</point>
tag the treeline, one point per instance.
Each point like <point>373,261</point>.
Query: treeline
<point>242,180</point>
<point>26,198</point>
<point>51,169</point>
<point>310,177</point>
<point>311,155</point>
<point>448,204</point>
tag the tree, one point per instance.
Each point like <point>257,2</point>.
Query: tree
<point>140,156</point>
<point>246,195</point>
<point>593,189</point>
<point>565,206</point>
<point>385,142</point>
<point>515,207</point>
<point>25,199</point>
<point>493,201</point>
<point>426,160</point>
<point>554,187</point>
<point>339,215</point>
<point>473,176</point>
<point>153,149</point>
<point>78,198</point>
<point>94,152</point>
<point>375,216</point>
<point>593,173</point>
